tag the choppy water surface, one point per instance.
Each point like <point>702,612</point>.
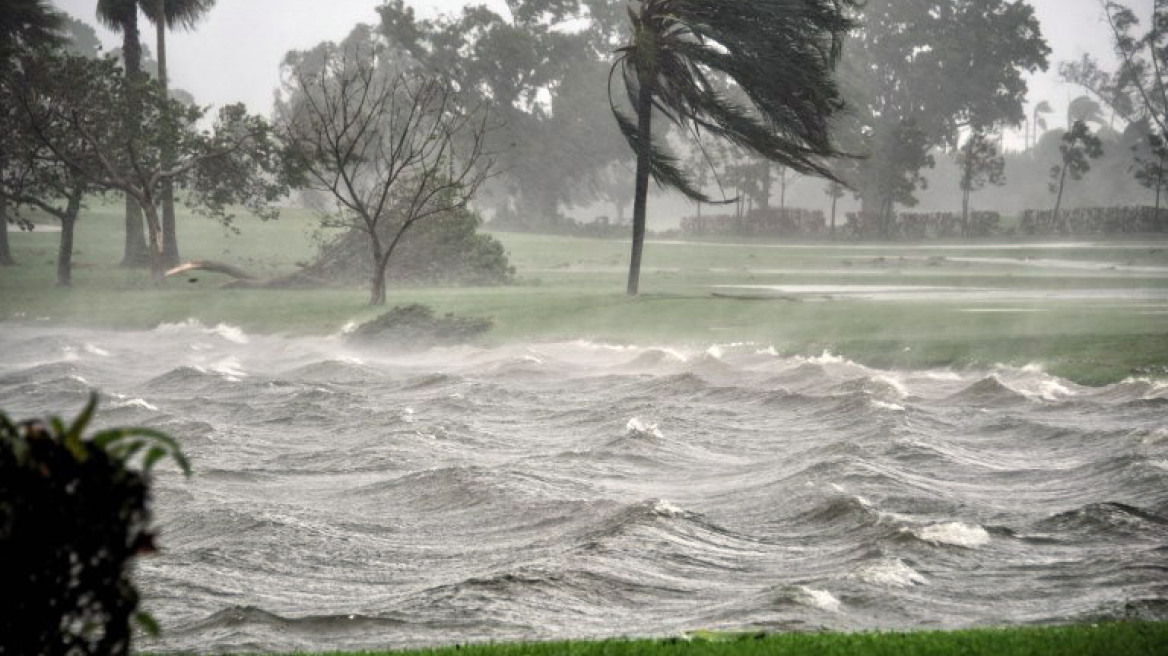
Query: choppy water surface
<point>354,499</point>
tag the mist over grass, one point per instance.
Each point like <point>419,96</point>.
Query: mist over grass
<point>1090,311</point>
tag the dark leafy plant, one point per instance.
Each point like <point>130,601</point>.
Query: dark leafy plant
<point>73,513</point>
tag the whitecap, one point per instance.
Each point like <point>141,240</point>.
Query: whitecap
<point>957,534</point>
<point>230,368</point>
<point>893,407</point>
<point>828,358</point>
<point>135,403</point>
<point>94,350</point>
<point>638,427</point>
<point>407,415</point>
<point>666,509</point>
<point>770,350</point>
<point>891,572</point>
<point>226,331</point>
<point>821,599</point>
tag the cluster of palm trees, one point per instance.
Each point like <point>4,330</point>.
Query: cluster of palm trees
<point>122,16</point>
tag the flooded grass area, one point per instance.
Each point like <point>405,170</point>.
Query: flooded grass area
<point>1093,311</point>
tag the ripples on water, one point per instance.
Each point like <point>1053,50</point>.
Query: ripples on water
<point>355,499</point>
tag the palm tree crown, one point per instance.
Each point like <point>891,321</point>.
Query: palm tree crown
<point>778,54</point>
<point>757,73</point>
<point>184,14</point>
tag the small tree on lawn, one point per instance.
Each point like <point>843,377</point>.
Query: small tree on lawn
<point>76,107</point>
<point>980,164</point>
<point>1150,159</point>
<point>1079,146</point>
<point>35,177</point>
<point>391,146</point>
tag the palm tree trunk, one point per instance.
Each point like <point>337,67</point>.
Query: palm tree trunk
<point>170,254</point>
<point>136,252</point>
<point>833,201</point>
<point>5,251</point>
<point>65,251</point>
<point>641,193</point>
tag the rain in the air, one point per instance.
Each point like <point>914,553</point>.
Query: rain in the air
<point>583,327</point>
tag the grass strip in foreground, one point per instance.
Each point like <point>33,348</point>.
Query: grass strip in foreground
<point>1110,639</point>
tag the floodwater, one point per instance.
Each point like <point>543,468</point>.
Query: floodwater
<point>349,499</point>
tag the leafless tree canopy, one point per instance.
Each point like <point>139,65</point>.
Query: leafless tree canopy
<point>391,145</point>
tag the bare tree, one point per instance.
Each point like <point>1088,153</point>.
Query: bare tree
<point>392,146</point>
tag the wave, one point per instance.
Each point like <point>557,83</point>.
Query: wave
<point>194,326</point>
<point>956,534</point>
<point>889,572</point>
<point>989,391</point>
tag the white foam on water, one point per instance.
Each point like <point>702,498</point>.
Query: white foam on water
<point>770,350</point>
<point>828,358</point>
<point>715,351</point>
<point>407,415</point>
<point>637,427</point>
<point>821,599</point>
<point>895,384</point>
<point>349,327</point>
<point>891,407</point>
<point>78,379</point>
<point>957,534</point>
<point>69,354</point>
<point>230,368</point>
<point>225,331</point>
<point>94,350</point>
<point>135,403</point>
<point>891,572</point>
<point>666,509</point>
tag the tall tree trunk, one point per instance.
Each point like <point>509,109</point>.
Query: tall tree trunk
<point>136,251</point>
<point>5,251</point>
<point>65,251</point>
<point>641,193</point>
<point>833,201</point>
<point>154,230</point>
<point>764,200</point>
<point>170,254</point>
<point>380,263</point>
<point>1159,187</point>
<point>965,212</point>
<point>1058,203</point>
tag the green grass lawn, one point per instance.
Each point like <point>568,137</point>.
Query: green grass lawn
<point>573,289</point>
<point>1123,639</point>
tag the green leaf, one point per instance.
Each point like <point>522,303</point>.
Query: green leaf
<point>147,623</point>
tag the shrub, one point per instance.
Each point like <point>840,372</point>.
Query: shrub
<point>445,250</point>
<point>72,515</point>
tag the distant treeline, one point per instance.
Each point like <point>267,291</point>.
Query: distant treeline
<point>795,222</point>
<point>770,221</point>
<point>1095,221</point>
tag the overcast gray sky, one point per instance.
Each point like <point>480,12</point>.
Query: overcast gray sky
<point>235,53</point>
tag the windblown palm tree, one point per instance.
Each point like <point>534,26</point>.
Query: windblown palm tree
<point>28,23</point>
<point>122,16</point>
<point>167,14</point>
<point>779,55</point>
